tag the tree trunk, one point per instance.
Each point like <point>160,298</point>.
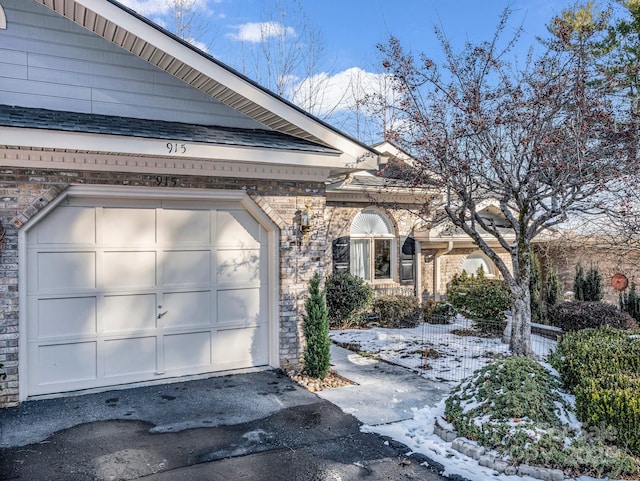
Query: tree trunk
<point>520,343</point>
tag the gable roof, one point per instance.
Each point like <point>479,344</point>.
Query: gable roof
<point>153,129</point>
<point>143,38</point>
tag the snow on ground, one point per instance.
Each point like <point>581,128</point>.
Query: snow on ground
<point>435,350</point>
<point>437,353</point>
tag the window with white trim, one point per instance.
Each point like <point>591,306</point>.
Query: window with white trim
<point>476,260</point>
<point>373,247</point>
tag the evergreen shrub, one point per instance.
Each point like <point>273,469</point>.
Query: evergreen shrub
<point>573,316</point>
<point>587,287</point>
<point>348,299</point>
<point>397,311</point>
<point>630,302</point>
<point>602,367</point>
<point>481,299</point>
<point>552,292</point>
<point>315,327</point>
<point>516,408</point>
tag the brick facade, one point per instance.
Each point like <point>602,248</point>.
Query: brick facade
<point>23,192</point>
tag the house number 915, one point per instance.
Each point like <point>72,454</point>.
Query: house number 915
<point>175,148</point>
<point>166,181</point>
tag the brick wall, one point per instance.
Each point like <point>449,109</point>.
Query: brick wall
<point>23,192</point>
<point>609,260</point>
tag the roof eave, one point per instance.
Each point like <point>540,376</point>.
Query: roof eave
<point>145,39</point>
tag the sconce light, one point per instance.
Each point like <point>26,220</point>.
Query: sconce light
<point>306,219</point>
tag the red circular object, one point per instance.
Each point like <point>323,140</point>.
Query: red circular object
<point>619,282</point>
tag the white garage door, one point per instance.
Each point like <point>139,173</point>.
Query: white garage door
<point>127,291</point>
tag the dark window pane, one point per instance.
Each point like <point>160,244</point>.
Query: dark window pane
<point>382,258</point>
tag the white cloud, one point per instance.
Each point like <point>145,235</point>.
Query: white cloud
<point>256,32</point>
<point>325,94</point>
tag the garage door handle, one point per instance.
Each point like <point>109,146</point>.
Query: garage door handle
<point>162,314</point>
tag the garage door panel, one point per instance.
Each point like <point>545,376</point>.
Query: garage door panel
<point>124,357</point>
<point>237,228</point>
<point>63,363</point>
<point>122,291</point>
<point>72,225</point>
<point>186,268</point>
<point>67,317</point>
<point>185,226</point>
<point>63,271</point>
<point>182,351</point>
<point>241,265</point>
<point>124,313</point>
<point>186,309</point>
<point>127,227</point>
<point>244,347</point>
<point>124,269</point>
<point>238,306</point>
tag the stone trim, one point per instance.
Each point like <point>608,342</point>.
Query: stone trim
<point>488,460</point>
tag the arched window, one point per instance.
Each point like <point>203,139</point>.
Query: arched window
<point>373,247</point>
<point>476,260</point>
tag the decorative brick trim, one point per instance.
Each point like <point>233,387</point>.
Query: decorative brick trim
<point>37,205</point>
<point>270,211</point>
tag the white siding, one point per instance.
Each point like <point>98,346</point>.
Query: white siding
<point>46,61</point>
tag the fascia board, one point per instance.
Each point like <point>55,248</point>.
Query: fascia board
<point>85,142</point>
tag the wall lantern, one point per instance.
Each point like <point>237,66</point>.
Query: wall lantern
<point>306,219</point>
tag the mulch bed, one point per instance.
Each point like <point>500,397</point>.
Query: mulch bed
<point>331,381</point>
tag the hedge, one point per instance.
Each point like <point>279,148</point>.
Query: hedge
<point>602,368</point>
<point>397,311</point>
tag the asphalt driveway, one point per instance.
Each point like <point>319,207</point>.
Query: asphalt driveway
<point>257,426</point>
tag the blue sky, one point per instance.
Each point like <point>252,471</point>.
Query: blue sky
<point>349,32</point>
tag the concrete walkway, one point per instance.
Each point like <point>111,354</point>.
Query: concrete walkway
<point>383,393</point>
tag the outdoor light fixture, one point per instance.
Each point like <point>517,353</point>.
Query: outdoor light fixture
<point>306,219</point>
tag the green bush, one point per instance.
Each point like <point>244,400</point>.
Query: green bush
<point>436,312</point>
<point>596,353</point>
<point>515,406</point>
<point>573,316</point>
<point>602,367</point>
<point>552,292</point>
<point>480,298</point>
<point>630,302</point>
<point>315,327</point>
<point>615,406</point>
<point>348,299</point>
<point>587,287</point>
<point>397,311</point>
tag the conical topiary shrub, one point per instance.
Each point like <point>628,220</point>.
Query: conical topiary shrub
<point>315,328</point>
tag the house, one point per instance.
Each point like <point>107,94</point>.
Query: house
<point>389,233</point>
<point>161,213</point>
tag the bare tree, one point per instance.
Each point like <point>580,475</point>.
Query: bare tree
<point>540,141</point>
<point>286,54</point>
